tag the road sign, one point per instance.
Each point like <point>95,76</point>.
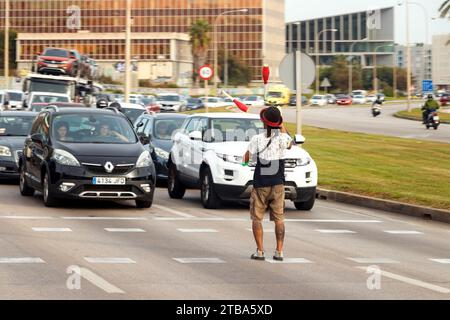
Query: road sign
<point>325,83</point>
<point>206,72</point>
<point>427,85</point>
<point>288,74</point>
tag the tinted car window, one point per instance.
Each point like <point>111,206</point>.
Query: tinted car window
<point>168,98</point>
<point>235,129</point>
<point>15,125</point>
<point>49,99</point>
<point>15,96</point>
<point>93,128</point>
<point>132,114</point>
<point>56,53</point>
<point>164,128</point>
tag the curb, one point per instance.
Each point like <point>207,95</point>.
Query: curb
<point>415,119</point>
<point>386,205</point>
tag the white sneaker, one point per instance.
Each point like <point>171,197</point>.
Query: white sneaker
<point>278,255</point>
<point>258,255</point>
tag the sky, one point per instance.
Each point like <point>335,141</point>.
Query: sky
<point>307,9</point>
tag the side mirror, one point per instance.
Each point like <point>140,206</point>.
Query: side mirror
<point>144,139</point>
<point>6,103</point>
<point>195,135</point>
<point>299,139</point>
<point>37,138</point>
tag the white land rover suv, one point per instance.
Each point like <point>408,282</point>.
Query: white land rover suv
<point>207,154</point>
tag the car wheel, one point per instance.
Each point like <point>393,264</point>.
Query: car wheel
<point>25,190</point>
<point>49,199</point>
<point>210,199</point>
<point>143,204</point>
<point>175,187</point>
<point>435,127</point>
<point>306,205</point>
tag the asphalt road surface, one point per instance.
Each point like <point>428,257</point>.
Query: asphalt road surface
<point>178,250</point>
<point>359,119</point>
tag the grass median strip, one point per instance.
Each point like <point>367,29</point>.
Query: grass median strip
<point>416,114</point>
<point>405,170</point>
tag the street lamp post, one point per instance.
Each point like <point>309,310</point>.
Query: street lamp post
<point>6,51</point>
<point>350,74</point>
<point>375,80</point>
<point>216,40</point>
<point>128,52</point>
<point>317,57</point>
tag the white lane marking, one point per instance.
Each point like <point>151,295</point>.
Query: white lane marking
<point>334,231</point>
<point>444,261</point>
<point>52,229</point>
<point>124,230</point>
<point>199,219</point>
<point>289,260</point>
<point>199,260</point>
<point>178,213</point>
<point>21,260</point>
<point>411,281</point>
<point>198,230</point>
<point>104,218</point>
<point>99,282</point>
<point>334,221</point>
<point>373,260</point>
<point>402,232</point>
<point>26,217</point>
<point>109,260</point>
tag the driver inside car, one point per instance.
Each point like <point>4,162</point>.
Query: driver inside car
<point>111,135</point>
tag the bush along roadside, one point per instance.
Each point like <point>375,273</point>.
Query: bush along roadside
<point>416,114</point>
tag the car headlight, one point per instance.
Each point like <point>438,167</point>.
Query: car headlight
<point>5,151</point>
<point>230,158</point>
<point>65,158</point>
<point>145,160</point>
<point>303,161</point>
<point>162,153</point>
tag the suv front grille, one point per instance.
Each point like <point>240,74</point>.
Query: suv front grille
<point>118,170</point>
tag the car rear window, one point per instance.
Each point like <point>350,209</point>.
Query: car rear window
<point>56,53</point>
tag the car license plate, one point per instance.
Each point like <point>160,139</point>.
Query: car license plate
<point>108,181</point>
<point>436,118</point>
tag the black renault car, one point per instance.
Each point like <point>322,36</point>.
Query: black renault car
<point>14,128</point>
<point>159,129</point>
<point>84,153</point>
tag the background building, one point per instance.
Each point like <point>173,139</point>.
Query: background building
<point>441,61</point>
<point>421,62</point>
<point>96,28</point>
<point>359,34</point>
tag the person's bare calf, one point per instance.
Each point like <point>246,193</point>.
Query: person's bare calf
<point>279,233</point>
<point>258,234</point>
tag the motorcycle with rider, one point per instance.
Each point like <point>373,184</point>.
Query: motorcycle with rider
<point>430,116</point>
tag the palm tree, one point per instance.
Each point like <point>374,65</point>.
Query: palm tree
<point>200,41</point>
<point>445,9</point>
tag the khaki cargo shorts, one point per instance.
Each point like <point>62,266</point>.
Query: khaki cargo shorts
<point>271,198</point>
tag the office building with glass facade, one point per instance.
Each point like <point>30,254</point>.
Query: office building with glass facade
<point>159,27</point>
<point>360,34</point>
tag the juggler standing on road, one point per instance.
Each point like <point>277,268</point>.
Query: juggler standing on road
<point>268,150</point>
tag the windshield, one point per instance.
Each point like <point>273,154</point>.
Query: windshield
<point>49,86</point>
<point>359,97</point>
<point>192,100</point>
<point>92,128</point>
<point>42,98</point>
<point>164,128</point>
<point>132,114</point>
<point>251,99</point>
<point>168,98</point>
<point>274,94</point>
<point>15,125</point>
<point>318,97</point>
<point>15,96</point>
<point>56,53</point>
<point>225,130</point>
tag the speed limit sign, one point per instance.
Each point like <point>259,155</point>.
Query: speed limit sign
<point>206,72</point>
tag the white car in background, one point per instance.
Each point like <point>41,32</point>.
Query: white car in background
<point>359,99</point>
<point>254,101</point>
<point>214,102</point>
<point>171,102</point>
<point>46,97</point>
<point>318,100</point>
<point>208,152</point>
<point>15,99</point>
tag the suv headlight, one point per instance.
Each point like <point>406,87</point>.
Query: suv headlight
<point>230,158</point>
<point>145,160</point>
<point>303,161</point>
<point>162,153</point>
<point>65,158</point>
<point>5,151</point>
